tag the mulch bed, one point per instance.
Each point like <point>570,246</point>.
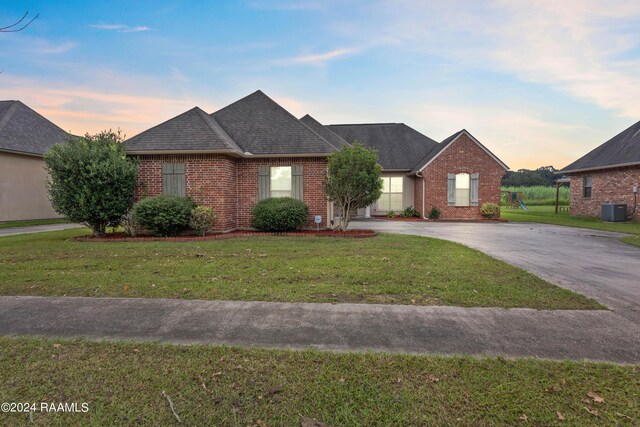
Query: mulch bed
<point>416,219</point>
<point>122,237</point>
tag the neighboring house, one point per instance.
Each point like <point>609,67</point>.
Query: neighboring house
<point>254,149</point>
<point>24,137</point>
<point>607,174</point>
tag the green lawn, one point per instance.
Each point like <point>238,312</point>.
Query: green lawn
<point>547,215</point>
<point>28,223</point>
<point>632,240</point>
<point>123,384</point>
<point>387,269</point>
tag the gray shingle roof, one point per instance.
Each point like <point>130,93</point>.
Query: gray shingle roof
<point>323,131</point>
<point>622,149</point>
<point>194,130</point>
<point>398,145</point>
<point>23,130</point>
<point>261,126</point>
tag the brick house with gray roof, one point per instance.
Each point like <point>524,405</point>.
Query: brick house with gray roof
<point>607,174</point>
<point>254,149</point>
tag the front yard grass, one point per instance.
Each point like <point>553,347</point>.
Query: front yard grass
<point>632,240</point>
<point>387,269</point>
<point>123,384</point>
<point>547,215</point>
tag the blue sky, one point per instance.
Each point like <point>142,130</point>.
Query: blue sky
<point>538,82</point>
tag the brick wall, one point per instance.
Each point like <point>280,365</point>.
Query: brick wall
<point>608,186</point>
<point>210,180</point>
<point>230,185</point>
<point>463,156</point>
<point>314,173</point>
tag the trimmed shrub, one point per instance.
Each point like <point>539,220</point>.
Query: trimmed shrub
<point>164,215</point>
<point>280,214</point>
<point>434,213</point>
<point>202,219</point>
<point>489,210</point>
<point>409,212</point>
<point>391,214</point>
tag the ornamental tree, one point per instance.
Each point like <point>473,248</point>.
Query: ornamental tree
<point>91,180</point>
<point>353,180</point>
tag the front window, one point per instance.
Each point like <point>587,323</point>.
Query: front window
<point>391,199</point>
<point>586,183</point>
<point>462,189</point>
<point>281,181</point>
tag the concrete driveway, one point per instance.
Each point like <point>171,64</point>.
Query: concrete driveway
<point>37,229</point>
<point>591,262</point>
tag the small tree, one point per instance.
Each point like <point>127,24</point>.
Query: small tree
<point>91,180</point>
<point>354,179</point>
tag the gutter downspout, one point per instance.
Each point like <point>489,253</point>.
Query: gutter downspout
<point>422,179</point>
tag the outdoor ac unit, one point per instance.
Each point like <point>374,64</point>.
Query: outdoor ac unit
<point>614,213</point>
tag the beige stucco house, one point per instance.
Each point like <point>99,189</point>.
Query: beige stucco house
<point>25,136</point>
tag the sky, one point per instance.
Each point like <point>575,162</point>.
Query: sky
<point>538,82</point>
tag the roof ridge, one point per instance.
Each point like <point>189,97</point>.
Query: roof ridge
<point>365,124</point>
<point>328,130</point>
<point>218,130</point>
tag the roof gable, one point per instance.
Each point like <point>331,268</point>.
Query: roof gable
<point>446,143</point>
<point>259,125</point>
<point>23,130</point>
<point>193,130</point>
<point>398,145</point>
<point>621,150</point>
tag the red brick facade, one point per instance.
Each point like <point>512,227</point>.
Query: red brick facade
<point>607,186</point>
<point>230,185</point>
<point>462,156</point>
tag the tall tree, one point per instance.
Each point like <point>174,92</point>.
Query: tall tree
<point>353,180</point>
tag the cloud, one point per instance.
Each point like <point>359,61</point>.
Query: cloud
<point>121,28</point>
<point>582,48</point>
<point>317,59</point>
<point>90,109</point>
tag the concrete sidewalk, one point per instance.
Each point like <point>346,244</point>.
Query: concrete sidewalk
<point>559,334</point>
<point>13,231</point>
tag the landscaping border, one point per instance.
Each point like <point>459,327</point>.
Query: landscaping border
<point>121,237</point>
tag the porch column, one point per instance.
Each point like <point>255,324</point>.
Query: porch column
<point>367,212</point>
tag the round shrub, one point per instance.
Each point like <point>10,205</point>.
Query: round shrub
<point>489,210</point>
<point>202,218</point>
<point>280,214</point>
<point>434,213</point>
<point>164,215</point>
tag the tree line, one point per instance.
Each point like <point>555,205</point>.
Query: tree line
<point>544,175</point>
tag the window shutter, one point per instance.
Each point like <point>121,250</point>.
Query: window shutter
<point>451,189</point>
<point>167,175</point>
<point>297,184</point>
<point>173,179</point>
<point>264,182</point>
<point>473,196</point>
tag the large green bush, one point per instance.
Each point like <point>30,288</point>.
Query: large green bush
<point>280,214</point>
<point>91,180</point>
<point>164,215</point>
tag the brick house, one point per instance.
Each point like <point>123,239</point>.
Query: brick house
<point>254,149</point>
<point>607,174</point>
